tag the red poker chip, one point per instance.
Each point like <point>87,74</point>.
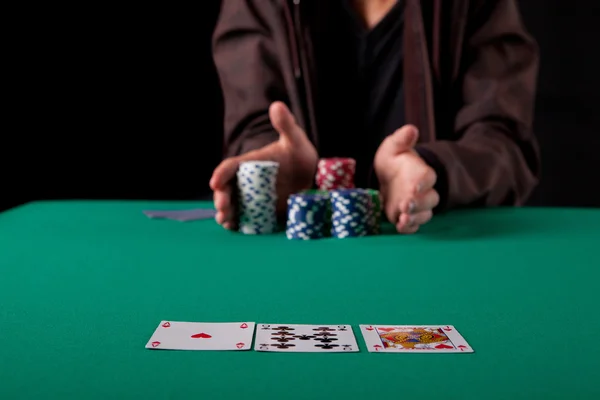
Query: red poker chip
<point>335,173</point>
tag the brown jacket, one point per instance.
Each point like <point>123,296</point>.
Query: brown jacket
<point>470,76</point>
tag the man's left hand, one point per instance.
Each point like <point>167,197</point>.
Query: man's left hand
<point>406,181</point>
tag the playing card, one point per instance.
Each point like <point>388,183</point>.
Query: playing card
<point>414,339</point>
<point>182,215</point>
<point>305,338</point>
<point>174,335</point>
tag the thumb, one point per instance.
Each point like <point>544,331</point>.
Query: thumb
<point>226,170</point>
<point>404,139</point>
<point>284,122</point>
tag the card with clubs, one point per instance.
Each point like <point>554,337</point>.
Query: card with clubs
<point>176,335</point>
<point>305,338</point>
<point>182,215</point>
<point>414,339</point>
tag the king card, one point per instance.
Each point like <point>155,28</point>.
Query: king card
<point>414,339</point>
<point>305,338</point>
<point>175,335</point>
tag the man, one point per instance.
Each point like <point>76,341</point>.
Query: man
<point>433,98</point>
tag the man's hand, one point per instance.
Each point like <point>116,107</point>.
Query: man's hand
<point>297,159</point>
<point>406,181</point>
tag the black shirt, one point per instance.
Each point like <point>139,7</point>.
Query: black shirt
<point>360,90</point>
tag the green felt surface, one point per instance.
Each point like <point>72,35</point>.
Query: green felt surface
<point>84,284</point>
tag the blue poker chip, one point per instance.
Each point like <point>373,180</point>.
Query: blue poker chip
<point>351,213</point>
<point>308,216</point>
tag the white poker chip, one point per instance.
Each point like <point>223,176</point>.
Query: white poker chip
<point>256,183</point>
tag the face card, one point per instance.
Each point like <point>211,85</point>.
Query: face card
<point>305,338</point>
<point>174,335</point>
<point>414,339</point>
<point>182,215</point>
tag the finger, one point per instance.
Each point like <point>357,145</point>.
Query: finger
<point>400,141</point>
<point>220,218</point>
<point>409,221</point>
<point>423,202</point>
<point>407,229</point>
<point>226,222</point>
<point>427,181</point>
<point>222,199</point>
<point>223,218</point>
<point>224,173</point>
<point>229,225</point>
<point>285,123</point>
<point>223,205</point>
<point>392,211</point>
<point>412,223</point>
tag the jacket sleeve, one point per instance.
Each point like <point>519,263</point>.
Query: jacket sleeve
<point>495,158</point>
<point>246,58</point>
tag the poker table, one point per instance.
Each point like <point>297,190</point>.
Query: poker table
<point>84,284</point>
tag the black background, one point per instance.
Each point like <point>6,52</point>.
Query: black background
<point>125,103</point>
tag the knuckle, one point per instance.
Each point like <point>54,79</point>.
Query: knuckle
<point>429,178</point>
<point>403,206</point>
<point>410,206</point>
<point>435,198</point>
<point>431,175</point>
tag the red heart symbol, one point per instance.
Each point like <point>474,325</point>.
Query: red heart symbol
<point>244,326</point>
<point>239,345</point>
<point>377,347</point>
<point>447,329</point>
<point>443,346</point>
<point>155,344</point>
<point>201,336</point>
<point>386,329</point>
<point>370,328</point>
<point>166,325</point>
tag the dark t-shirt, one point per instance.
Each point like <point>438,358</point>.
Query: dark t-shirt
<point>360,93</point>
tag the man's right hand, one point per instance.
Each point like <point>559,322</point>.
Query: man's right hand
<point>297,159</point>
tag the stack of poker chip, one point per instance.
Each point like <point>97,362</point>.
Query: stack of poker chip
<point>257,193</point>
<point>308,215</point>
<point>375,211</point>
<point>322,193</point>
<point>351,213</point>
<point>335,173</point>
